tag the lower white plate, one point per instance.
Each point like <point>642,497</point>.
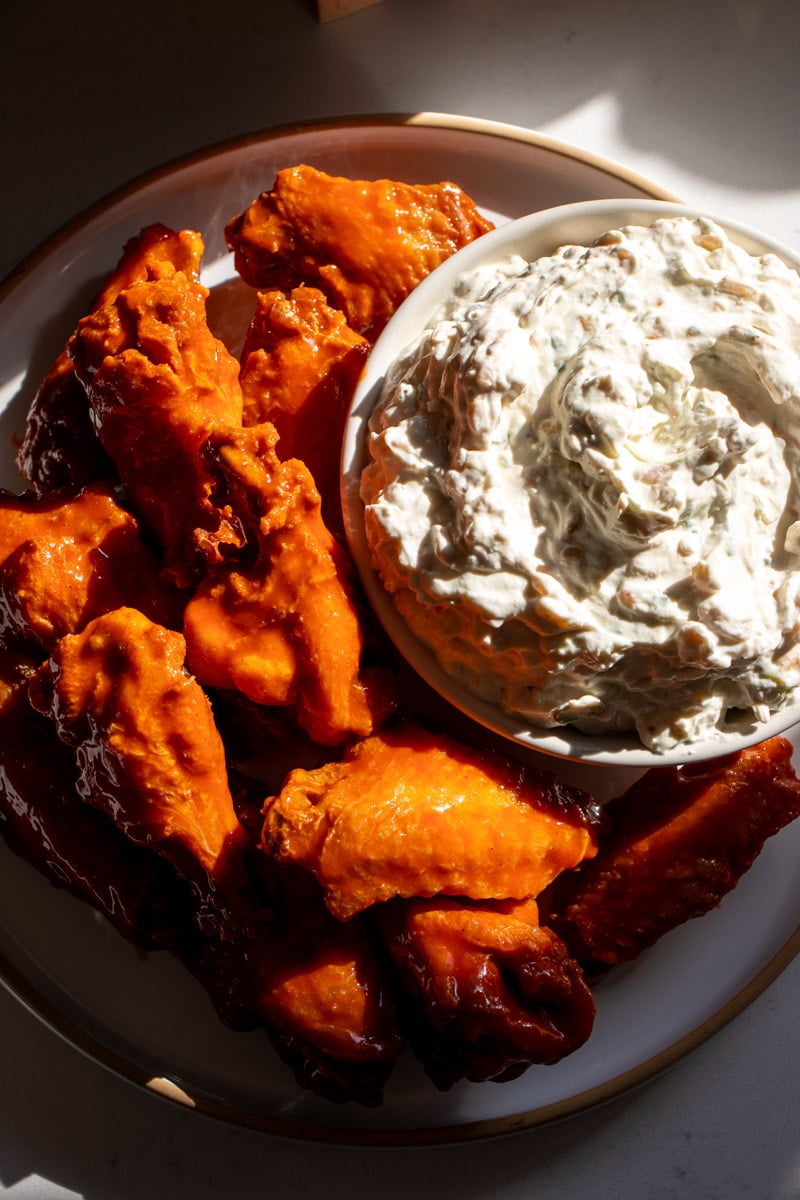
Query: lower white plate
<point>143,1016</point>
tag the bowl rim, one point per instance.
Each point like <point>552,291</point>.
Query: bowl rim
<point>534,235</point>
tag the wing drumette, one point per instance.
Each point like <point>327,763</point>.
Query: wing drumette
<point>680,839</point>
<point>365,244</point>
<point>60,447</point>
<point>409,813</point>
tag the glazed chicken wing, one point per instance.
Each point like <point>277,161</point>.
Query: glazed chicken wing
<point>283,629</point>
<point>681,838</point>
<point>488,992</point>
<point>409,813</point>
<point>315,985</point>
<point>365,244</point>
<point>60,447</point>
<point>76,847</point>
<point>66,558</point>
<point>158,383</point>
<point>300,366</point>
<point>323,990</point>
<point>148,752</point>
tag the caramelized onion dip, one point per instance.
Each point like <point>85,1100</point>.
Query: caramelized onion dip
<point>582,485</point>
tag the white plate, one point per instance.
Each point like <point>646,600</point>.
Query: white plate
<point>145,1017</point>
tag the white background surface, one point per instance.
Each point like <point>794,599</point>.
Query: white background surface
<point>700,97</point>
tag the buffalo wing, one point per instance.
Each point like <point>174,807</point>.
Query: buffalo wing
<point>283,628</point>
<point>409,813</point>
<point>680,839</point>
<point>158,383</point>
<point>365,244</point>
<point>148,752</point>
<point>66,558</point>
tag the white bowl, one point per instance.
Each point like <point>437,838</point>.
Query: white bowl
<point>532,237</point>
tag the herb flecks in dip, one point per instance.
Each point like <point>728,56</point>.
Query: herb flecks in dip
<point>582,487</point>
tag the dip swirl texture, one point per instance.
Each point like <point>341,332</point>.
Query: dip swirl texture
<point>582,485</point>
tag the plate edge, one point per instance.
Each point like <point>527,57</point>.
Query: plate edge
<point>427,120</point>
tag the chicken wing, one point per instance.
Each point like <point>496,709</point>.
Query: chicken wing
<point>261,746</point>
<point>148,752</point>
<point>300,366</point>
<point>488,991</point>
<point>65,558</point>
<point>365,244</point>
<point>146,792</point>
<point>323,990</point>
<point>158,383</point>
<point>60,447</point>
<point>680,839</point>
<point>283,629</point>
<point>76,847</point>
<point>409,813</point>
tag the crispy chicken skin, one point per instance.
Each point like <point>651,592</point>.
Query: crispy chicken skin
<point>67,557</point>
<point>158,383</point>
<point>283,629</point>
<point>409,813</point>
<point>488,991</point>
<point>60,447</point>
<point>680,839</point>
<point>365,244</point>
<point>144,737</point>
<point>322,995</point>
<point>300,365</point>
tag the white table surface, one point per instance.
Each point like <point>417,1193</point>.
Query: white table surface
<point>701,97</point>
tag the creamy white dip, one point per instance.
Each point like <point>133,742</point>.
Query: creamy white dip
<point>582,487</point>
